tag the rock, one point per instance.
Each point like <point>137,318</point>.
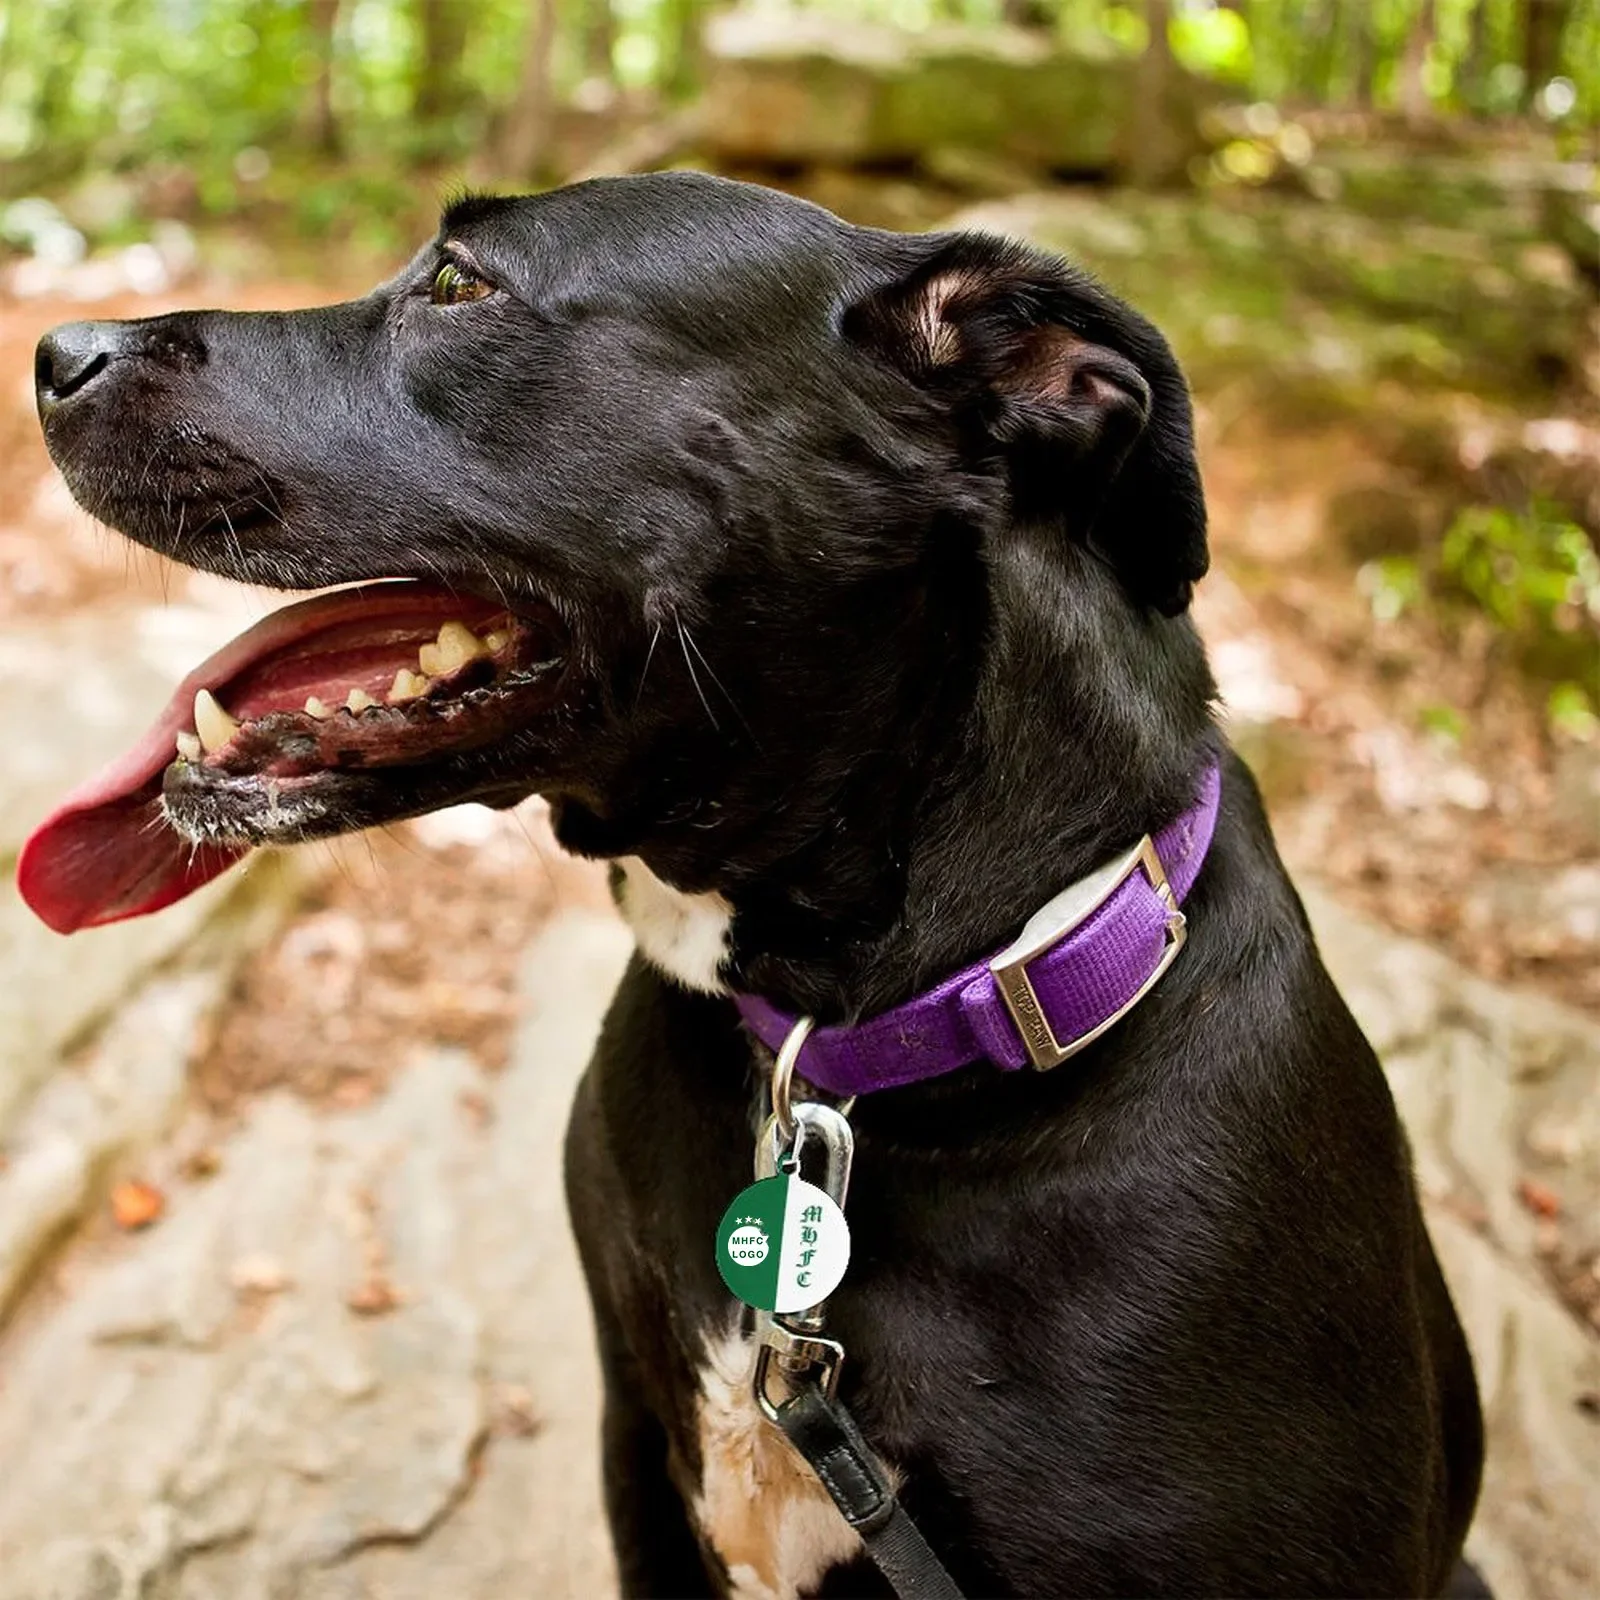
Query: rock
<point>974,172</point>
<point>180,1421</point>
<point>872,200</point>
<point>1478,1071</point>
<point>78,690</point>
<point>1534,1536</point>
<point>75,693</point>
<point>197,1412</point>
<point>124,1094</point>
<point>1538,912</point>
<point>1577,779</point>
<point>792,88</point>
<point>1496,1087</point>
<point>43,1186</point>
<point>1505,193</point>
<point>57,990</point>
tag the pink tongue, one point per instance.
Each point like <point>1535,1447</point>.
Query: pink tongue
<point>83,868</point>
<point>106,852</point>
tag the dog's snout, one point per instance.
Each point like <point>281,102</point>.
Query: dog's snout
<point>71,357</point>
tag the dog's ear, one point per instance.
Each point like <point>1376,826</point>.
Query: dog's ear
<point>1080,395</point>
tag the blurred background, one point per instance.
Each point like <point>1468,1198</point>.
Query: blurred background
<point>286,1301</point>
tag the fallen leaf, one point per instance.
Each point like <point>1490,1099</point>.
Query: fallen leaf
<point>351,1093</point>
<point>202,1163</point>
<point>1539,1198</point>
<point>375,1297</point>
<point>136,1204</point>
<point>513,1413</point>
<point>477,1107</point>
<point>258,1274</point>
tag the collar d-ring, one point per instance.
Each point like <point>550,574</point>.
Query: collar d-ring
<point>783,1075</point>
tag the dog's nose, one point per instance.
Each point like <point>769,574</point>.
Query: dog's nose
<point>71,357</point>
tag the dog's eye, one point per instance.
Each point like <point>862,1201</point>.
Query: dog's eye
<point>455,285</point>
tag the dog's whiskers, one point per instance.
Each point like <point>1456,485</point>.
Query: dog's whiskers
<point>649,656</point>
<point>689,638</point>
<point>273,506</point>
<point>688,661</point>
<point>233,537</point>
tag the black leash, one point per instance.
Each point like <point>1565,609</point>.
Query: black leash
<point>825,1434</point>
<point>791,1346</point>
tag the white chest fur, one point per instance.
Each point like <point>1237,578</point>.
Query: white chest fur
<point>685,935</point>
<point>759,1504</point>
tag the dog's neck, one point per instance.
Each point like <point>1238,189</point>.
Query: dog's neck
<point>1072,744</point>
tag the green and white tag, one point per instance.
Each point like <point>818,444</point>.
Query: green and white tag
<point>783,1245</point>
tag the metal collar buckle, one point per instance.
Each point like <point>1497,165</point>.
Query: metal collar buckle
<point>1052,923</point>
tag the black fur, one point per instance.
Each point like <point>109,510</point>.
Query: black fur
<point>874,552</point>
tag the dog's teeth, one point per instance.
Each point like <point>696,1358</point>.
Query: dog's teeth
<point>497,641</point>
<point>460,644</point>
<point>317,708</point>
<point>358,700</point>
<point>407,685</point>
<point>214,726</point>
<point>189,746</point>
<point>456,645</point>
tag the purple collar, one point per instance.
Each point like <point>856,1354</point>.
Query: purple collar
<point>1082,961</point>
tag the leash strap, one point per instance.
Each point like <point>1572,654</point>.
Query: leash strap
<point>825,1434</point>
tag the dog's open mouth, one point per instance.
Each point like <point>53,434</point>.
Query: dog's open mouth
<point>375,685</point>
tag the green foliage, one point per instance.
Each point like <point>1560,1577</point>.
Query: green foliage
<point>119,84</point>
<point>1570,711</point>
<point>1445,723</point>
<point>1392,585</point>
<point>1534,575</point>
<point>1214,42</point>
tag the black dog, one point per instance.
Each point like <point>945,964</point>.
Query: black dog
<point>834,582</point>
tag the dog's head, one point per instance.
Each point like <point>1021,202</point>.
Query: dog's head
<point>696,493</point>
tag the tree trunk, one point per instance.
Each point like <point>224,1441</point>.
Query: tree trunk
<point>1473,79</point>
<point>1153,152</point>
<point>525,134</point>
<point>1363,56</point>
<point>442,27</point>
<point>1034,15</point>
<point>599,40</point>
<point>1321,45</point>
<point>1413,92</point>
<point>322,16</point>
<point>1543,23</point>
<point>681,47</point>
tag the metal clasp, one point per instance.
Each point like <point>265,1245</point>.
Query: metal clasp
<point>795,1355</point>
<point>1052,923</point>
<point>819,1146</point>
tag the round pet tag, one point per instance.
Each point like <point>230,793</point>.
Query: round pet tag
<point>783,1245</point>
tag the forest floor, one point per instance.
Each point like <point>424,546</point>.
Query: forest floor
<point>415,938</point>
